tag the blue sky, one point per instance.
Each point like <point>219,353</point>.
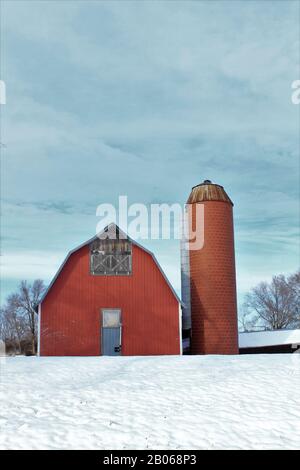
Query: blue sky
<point>147,99</point>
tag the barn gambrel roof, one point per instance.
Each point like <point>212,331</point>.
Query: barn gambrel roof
<point>95,238</point>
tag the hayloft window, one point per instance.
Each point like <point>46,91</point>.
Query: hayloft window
<point>111,257</point>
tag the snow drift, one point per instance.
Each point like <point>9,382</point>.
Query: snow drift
<point>189,402</point>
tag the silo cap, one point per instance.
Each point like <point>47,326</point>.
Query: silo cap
<point>208,191</point>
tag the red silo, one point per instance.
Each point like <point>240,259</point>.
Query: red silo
<point>212,278</point>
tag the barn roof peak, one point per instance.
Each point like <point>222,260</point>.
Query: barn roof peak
<point>114,230</point>
<point>110,228</point>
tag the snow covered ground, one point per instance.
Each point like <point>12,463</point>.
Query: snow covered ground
<point>197,402</point>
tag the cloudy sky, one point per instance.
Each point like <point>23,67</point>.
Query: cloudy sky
<point>147,99</point>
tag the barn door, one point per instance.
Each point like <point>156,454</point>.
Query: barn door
<point>111,332</point>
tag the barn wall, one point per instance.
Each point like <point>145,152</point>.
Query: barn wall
<point>70,319</point>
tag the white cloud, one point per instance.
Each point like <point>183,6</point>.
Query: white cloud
<point>30,265</point>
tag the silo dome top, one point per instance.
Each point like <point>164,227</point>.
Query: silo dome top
<point>208,191</point>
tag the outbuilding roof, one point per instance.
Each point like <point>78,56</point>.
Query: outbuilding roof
<point>256,339</point>
<point>95,238</point>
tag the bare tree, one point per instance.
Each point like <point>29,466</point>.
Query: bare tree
<point>26,301</point>
<point>293,282</point>
<point>13,326</point>
<point>275,305</point>
<point>19,317</point>
<point>246,320</point>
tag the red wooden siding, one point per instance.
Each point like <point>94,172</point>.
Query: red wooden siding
<point>70,313</point>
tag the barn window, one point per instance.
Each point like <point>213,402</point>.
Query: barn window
<point>111,318</point>
<point>111,257</point>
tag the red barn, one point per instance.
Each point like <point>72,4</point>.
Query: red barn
<point>109,297</point>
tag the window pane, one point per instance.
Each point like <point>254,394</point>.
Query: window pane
<point>111,318</point>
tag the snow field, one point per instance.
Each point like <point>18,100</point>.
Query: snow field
<point>165,402</point>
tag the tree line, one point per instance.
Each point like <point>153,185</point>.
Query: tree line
<point>268,306</point>
<point>272,305</point>
<point>19,320</point>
